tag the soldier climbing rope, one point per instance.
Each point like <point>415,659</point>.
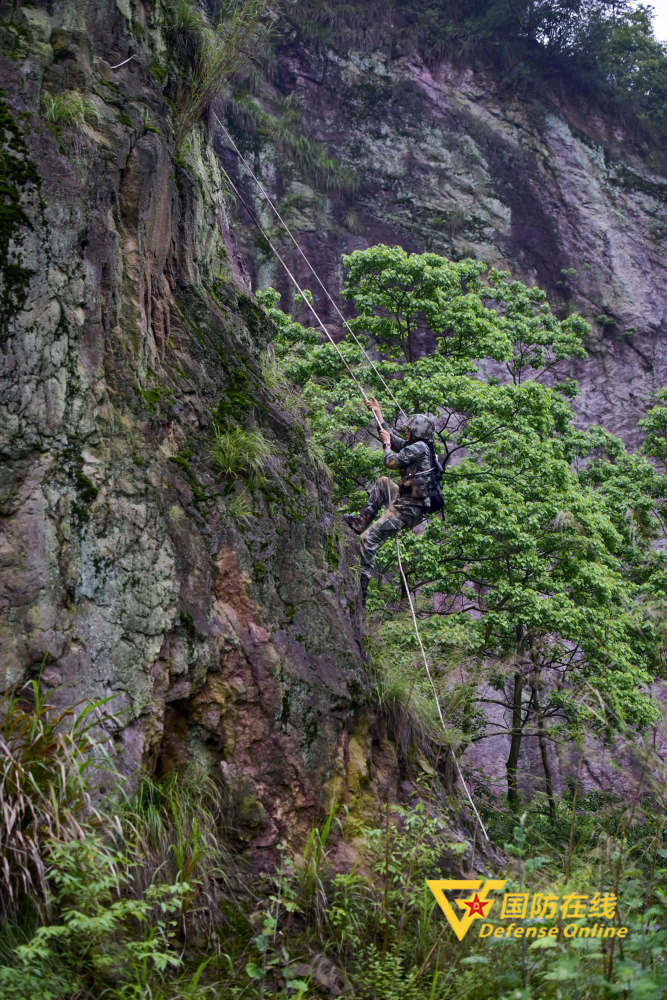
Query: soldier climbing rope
<point>368,400</point>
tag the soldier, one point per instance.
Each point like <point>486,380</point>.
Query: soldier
<point>417,495</point>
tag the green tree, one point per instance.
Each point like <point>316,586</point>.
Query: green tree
<point>537,573</point>
<point>634,63</point>
<point>654,426</point>
<point>470,313</point>
<point>632,489</point>
<point>529,568</point>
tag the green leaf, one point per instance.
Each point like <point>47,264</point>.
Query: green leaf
<point>544,943</point>
<point>254,971</point>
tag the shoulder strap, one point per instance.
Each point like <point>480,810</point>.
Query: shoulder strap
<point>435,461</point>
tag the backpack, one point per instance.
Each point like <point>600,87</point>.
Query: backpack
<point>435,480</point>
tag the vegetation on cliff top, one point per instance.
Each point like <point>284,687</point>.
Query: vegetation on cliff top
<point>604,50</point>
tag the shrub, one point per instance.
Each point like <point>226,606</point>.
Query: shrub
<point>96,933</point>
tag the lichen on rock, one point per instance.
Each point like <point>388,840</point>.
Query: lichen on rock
<point>127,332</point>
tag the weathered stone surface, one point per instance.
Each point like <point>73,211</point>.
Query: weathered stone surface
<point>205,607</point>
<point>127,572</point>
<point>447,162</point>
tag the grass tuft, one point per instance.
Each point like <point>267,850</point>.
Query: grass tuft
<point>66,108</point>
<point>239,452</point>
<point>208,55</point>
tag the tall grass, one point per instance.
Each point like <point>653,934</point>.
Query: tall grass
<point>405,697</point>
<point>208,54</point>
<point>173,827</point>
<point>99,897</point>
<point>285,130</point>
<point>45,757</point>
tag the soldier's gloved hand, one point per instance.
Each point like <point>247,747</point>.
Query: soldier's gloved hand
<point>372,404</point>
<point>385,437</point>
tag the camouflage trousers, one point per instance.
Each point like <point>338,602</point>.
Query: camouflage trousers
<point>400,513</point>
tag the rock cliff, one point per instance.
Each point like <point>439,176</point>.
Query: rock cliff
<point>439,157</point>
<point>143,560</point>
<point>208,600</point>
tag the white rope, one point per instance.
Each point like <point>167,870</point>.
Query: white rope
<point>365,397</point>
<point>123,63</point>
<point>435,693</point>
<point>312,269</point>
<point>299,290</point>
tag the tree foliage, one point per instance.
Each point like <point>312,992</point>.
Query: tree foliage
<point>654,426</point>
<point>543,567</point>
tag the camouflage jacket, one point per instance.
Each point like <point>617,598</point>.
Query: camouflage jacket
<point>415,465</point>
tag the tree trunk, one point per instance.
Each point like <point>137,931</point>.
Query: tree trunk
<point>548,783</point>
<point>515,744</point>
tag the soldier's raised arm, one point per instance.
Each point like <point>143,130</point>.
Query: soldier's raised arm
<point>401,458</point>
<point>397,442</point>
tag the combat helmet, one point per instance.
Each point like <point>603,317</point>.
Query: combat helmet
<point>421,427</point>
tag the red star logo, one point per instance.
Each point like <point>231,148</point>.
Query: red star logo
<point>476,905</point>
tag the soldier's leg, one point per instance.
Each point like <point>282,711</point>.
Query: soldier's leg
<point>394,519</point>
<point>382,494</point>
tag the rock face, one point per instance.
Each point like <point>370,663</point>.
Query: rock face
<point>447,162</point>
<point>209,600</point>
<point>166,537</point>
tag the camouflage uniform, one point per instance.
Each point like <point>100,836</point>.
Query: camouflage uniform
<point>406,505</point>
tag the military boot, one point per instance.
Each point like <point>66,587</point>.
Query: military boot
<point>359,522</point>
<point>363,589</point>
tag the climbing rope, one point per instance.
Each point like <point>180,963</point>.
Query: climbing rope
<point>433,688</point>
<point>299,289</point>
<point>364,395</point>
<point>310,266</point>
